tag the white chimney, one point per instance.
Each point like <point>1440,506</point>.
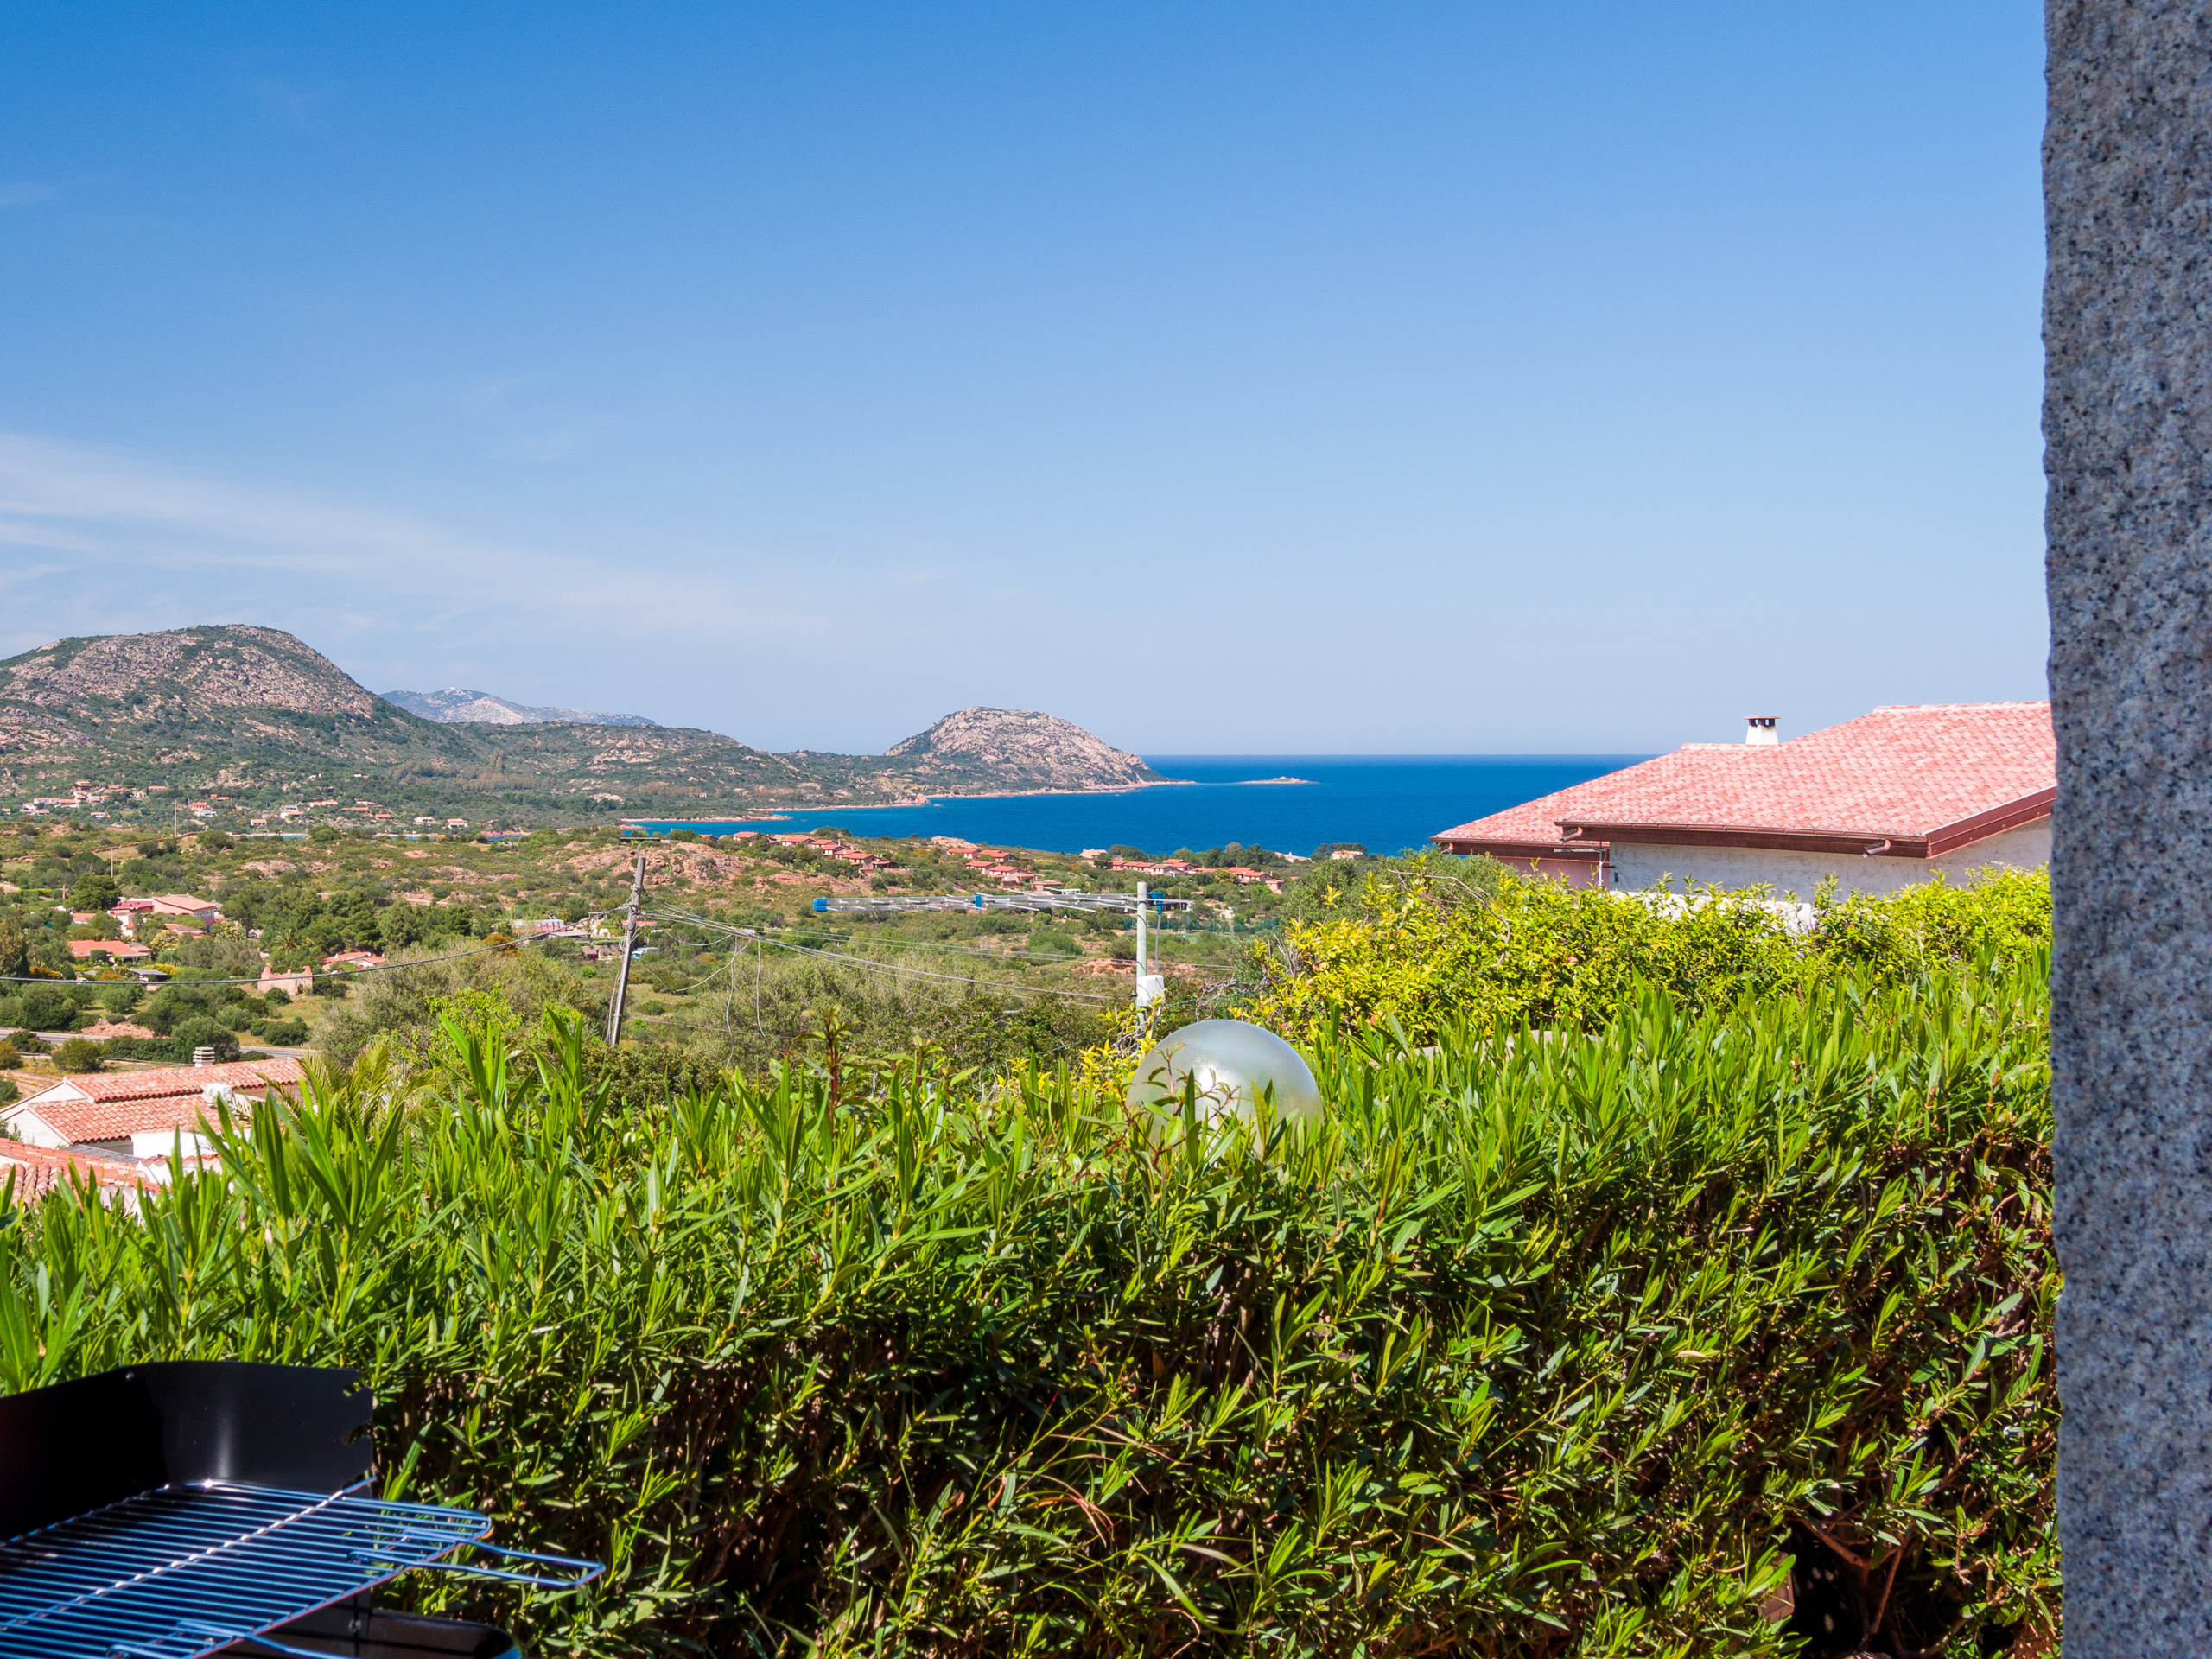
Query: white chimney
<point>1759,728</point>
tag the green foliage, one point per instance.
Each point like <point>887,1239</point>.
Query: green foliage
<point>96,890</point>
<point>1541,1345</point>
<point>1431,940</point>
<point>45,1008</point>
<point>10,1056</point>
<point>15,953</point>
<point>76,1054</point>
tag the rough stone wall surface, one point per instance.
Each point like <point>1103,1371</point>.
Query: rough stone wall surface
<point>2127,425</point>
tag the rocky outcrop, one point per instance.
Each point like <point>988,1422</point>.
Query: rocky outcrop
<point>979,749</point>
<point>149,678</point>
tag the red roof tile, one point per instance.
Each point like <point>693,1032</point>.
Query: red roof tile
<point>1925,779</point>
<point>175,1079</point>
<point>79,1121</point>
<point>38,1170</point>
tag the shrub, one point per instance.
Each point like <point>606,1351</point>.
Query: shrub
<point>1432,940</point>
<point>1537,1347</point>
<point>170,1051</point>
<point>77,1054</point>
<point>10,1056</point>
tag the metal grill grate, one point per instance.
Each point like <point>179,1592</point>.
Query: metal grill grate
<point>184,1571</point>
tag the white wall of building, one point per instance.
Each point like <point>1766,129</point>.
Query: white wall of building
<point>1799,875</point>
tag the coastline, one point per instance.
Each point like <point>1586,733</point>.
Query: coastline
<point>783,814</point>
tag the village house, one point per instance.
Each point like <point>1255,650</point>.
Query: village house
<point>183,907</point>
<point>139,1115</point>
<point>113,949</point>
<point>1875,804</point>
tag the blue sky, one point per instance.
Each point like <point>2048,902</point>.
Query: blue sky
<point>1227,378</point>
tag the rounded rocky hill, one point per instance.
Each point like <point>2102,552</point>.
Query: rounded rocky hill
<point>146,676</point>
<point>1016,748</point>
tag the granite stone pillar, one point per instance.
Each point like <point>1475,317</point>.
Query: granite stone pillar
<point>2127,425</point>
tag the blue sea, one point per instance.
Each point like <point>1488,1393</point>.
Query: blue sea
<point>1384,802</point>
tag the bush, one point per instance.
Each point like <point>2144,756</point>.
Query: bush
<point>1535,1347</point>
<point>1432,940</point>
<point>169,1051</point>
<point>45,1008</point>
<point>77,1054</point>
<point>10,1056</point>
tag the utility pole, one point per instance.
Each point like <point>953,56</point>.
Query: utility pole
<point>629,940</point>
<point>1150,985</point>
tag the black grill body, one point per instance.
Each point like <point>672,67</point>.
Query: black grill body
<point>353,1631</point>
<point>178,1511</point>
<point>82,1445</point>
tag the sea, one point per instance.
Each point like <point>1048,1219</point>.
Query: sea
<point>1384,802</point>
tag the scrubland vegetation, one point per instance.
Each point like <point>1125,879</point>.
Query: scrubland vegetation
<point>1646,1250</point>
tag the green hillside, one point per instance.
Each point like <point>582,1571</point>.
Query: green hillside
<point>249,719</point>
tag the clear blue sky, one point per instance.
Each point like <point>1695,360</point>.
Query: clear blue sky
<point>1276,377</point>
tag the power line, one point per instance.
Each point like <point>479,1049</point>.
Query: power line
<point>868,962</point>
<point>301,973</point>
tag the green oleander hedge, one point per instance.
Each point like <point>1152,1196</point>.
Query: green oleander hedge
<point>1432,941</point>
<point>1548,1343</point>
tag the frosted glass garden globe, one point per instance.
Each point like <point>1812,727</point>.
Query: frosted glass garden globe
<point>1231,1062</point>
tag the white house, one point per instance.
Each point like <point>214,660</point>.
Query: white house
<point>1879,803</point>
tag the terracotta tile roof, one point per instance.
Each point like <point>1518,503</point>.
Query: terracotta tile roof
<point>39,1169</point>
<point>174,1079</point>
<point>180,904</point>
<point>1926,780</point>
<point>79,1121</point>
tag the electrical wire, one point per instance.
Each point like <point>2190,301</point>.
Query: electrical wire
<point>303,973</point>
<point>868,962</point>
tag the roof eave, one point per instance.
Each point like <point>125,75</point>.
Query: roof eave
<point>1580,852</point>
<point>1870,843</point>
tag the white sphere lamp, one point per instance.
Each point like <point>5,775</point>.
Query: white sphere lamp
<point>1232,1064</point>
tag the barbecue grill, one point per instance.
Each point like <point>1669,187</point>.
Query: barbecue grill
<point>170,1511</point>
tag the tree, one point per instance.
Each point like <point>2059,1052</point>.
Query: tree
<point>96,890</point>
<point>78,1055</point>
<point>15,954</point>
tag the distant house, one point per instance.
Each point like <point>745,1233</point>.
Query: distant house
<point>182,907</point>
<point>1877,803</point>
<point>114,950</point>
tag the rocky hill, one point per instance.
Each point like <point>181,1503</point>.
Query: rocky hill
<point>247,719</point>
<point>455,706</point>
<point>1023,748</point>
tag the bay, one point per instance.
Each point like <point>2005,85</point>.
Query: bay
<point>1385,802</point>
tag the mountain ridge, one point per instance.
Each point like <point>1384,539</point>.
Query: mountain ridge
<point>458,706</point>
<point>257,719</point>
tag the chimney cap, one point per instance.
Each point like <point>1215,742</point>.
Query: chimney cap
<point>1759,729</point>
